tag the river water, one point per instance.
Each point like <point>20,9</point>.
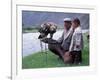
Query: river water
<point>31,43</point>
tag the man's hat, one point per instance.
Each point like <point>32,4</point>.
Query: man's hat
<point>67,19</point>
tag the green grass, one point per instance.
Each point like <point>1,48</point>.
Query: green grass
<point>39,60</point>
<point>33,30</point>
<point>29,30</point>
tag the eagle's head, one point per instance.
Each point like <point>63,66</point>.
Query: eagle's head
<point>47,28</point>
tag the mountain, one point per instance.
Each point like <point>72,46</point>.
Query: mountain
<point>34,19</point>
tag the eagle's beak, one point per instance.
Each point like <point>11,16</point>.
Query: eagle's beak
<point>39,37</point>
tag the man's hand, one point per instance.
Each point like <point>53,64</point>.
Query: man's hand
<point>67,57</point>
<point>77,46</point>
<point>49,41</point>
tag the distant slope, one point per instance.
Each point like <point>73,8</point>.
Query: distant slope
<point>35,19</point>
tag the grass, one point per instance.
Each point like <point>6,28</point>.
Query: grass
<point>33,30</point>
<point>39,59</point>
<point>29,30</point>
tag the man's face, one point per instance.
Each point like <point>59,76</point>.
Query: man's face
<point>67,24</point>
<point>74,25</point>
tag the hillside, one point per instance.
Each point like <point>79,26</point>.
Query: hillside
<point>34,19</point>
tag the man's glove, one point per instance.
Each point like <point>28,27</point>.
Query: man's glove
<point>49,41</point>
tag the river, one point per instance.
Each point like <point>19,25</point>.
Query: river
<point>31,43</point>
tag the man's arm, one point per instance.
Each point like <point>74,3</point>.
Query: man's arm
<point>78,40</point>
<point>71,47</point>
<point>60,39</point>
